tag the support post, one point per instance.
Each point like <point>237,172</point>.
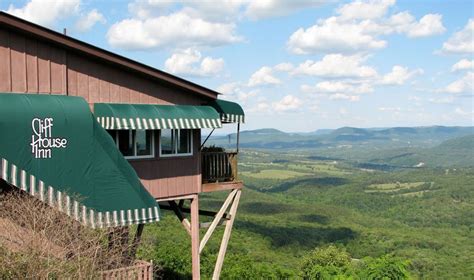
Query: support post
<point>136,242</point>
<point>195,238</point>
<point>226,237</point>
<point>238,136</point>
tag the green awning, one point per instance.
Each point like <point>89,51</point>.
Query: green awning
<point>52,148</point>
<point>145,116</point>
<point>230,112</point>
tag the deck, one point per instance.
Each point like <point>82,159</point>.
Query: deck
<point>220,171</point>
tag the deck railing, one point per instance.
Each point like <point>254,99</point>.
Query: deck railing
<point>141,270</point>
<point>218,167</point>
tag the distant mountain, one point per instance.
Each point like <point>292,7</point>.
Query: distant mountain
<point>396,137</point>
<point>450,153</point>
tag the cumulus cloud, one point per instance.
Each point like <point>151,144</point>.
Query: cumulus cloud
<point>333,36</point>
<point>365,9</point>
<point>336,66</point>
<point>174,30</point>
<point>263,76</point>
<point>461,42</point>
<point>287,103</point>
<point>399,75</point>
<point>358,26</point>
<point>463,64</point>
<point>463,85</point>
<point>190,62</point>
<point>45,13</point>
<point>87,21</point>
<point>275,8</point>
<point>428,25</point>
<point>460,111</point>
<point>338,87</point>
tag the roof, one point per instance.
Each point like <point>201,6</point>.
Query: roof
<point>75,45</point>
<point>53,149</point>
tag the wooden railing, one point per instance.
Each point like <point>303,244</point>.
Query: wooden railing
<point>218,167</point>
<point>141,270</point>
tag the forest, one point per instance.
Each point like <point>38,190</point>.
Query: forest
<point>311,214</point>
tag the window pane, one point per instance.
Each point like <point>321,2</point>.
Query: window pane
<point>184,141</point>
<point>166,141</point>
<point>144,142</point>
<point>125,139</point>
<point>113,134</point>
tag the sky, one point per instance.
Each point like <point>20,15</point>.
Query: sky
<point>297,66</point>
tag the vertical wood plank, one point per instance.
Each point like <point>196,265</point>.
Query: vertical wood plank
<point>32,65</point>
<point>44,69</point>
<point>5,71</point>
<point>57,67</point>
<point>18,63</point>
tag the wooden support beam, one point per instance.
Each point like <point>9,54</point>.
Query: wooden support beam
<point>226,237</point>
<point>136,242</point>
<point>180,215</point>
<point>196,265</point>
<point>216,220</point>
<point>187,210</point>
<point>222,186</point>
<point>222,222</point>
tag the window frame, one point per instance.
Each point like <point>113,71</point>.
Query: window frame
<point>175,145</point>
<point>135,150</point>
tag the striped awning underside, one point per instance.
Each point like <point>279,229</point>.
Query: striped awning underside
<point>28,183</point>
<point>231,118</point>
<point>156,123</point>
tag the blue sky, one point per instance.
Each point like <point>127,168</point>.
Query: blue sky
<point>294,65</point>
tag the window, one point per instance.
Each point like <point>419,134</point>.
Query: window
<point>176,142</point>
<point>135,143</point>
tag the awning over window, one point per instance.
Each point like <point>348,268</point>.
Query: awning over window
<point>52,148</point>
<point>230,112</point>
<point>145,116</point>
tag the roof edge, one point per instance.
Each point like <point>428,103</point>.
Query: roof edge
<point>108,56</point>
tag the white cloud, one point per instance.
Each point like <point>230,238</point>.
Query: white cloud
<point>428,25</point>
<point>338,87</point>
<point>288,103</point>
<point>148,8</point>
<point>461,42</point>
<point>87,21</point>
<point>399,75</point>
<point>228,88</point>
<point>444,100</point>
<point>357,28</point>
<point>365,9</point>
<point>284,67</point>
<point>332,36</point>
<point>463,64</point>
<point>274,8</point>
<point>45,13</point>
<point>462,85</point>
<point>174,30</point>
<point>263,76</point>
<point>341,96</point>
<point>389,109</point>
<point>336,66</point>
<point>190,62</point>
<point>461,112</point>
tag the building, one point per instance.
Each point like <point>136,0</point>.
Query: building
<point>154,119</point>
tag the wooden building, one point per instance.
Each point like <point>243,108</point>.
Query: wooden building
<point>154,118</point>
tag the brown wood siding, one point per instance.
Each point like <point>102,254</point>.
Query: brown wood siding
<point>171,176</point>
<point>29,65</point>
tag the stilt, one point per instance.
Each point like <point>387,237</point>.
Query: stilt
<point>226,237</point>
<point>195,238</point>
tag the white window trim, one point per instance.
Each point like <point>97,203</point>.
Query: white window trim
<point>135,146</point>
<point>176,147</point>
